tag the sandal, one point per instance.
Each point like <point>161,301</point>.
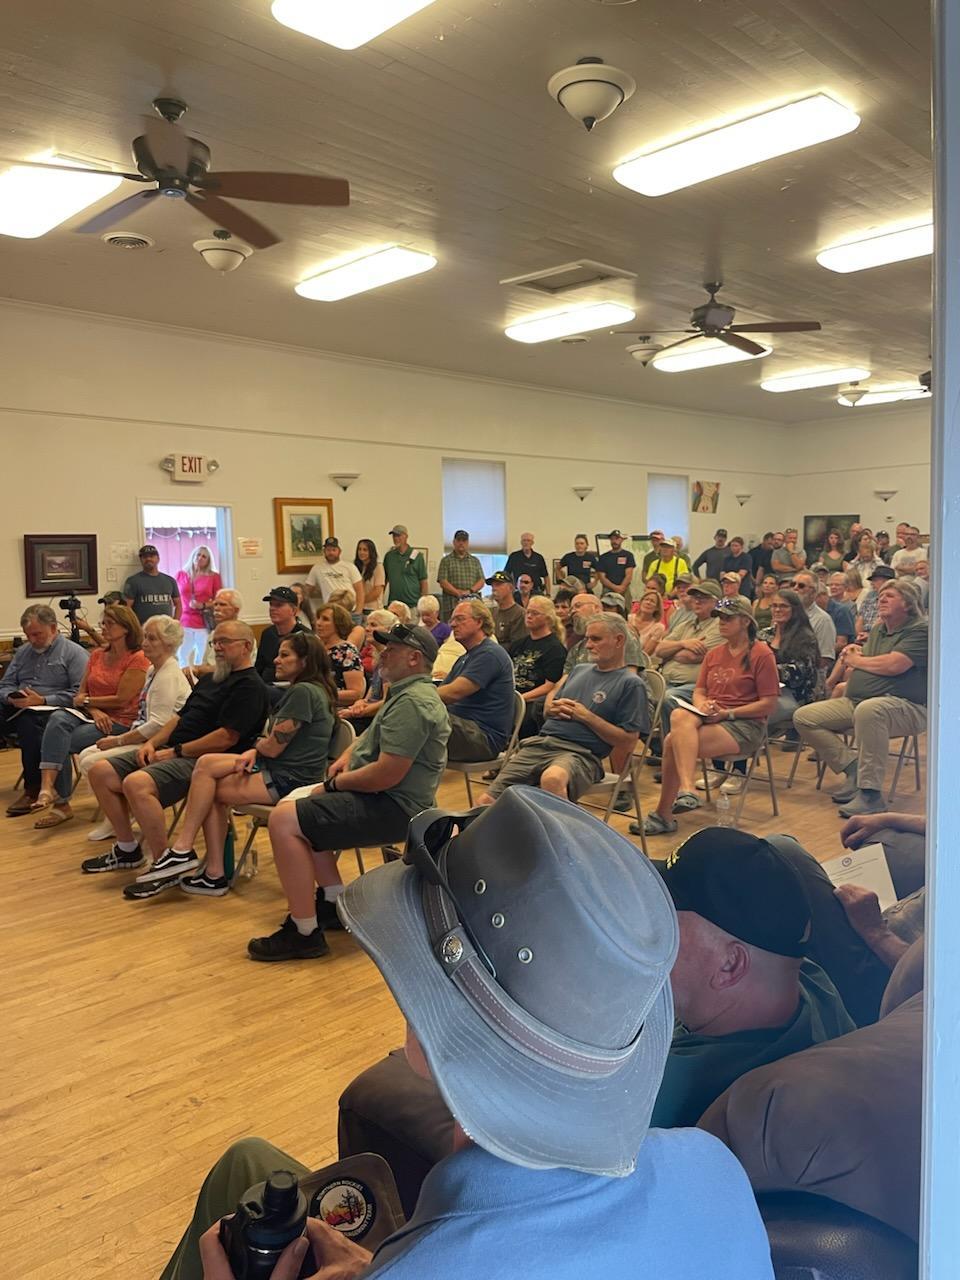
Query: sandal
<point>653,825</point>
<point>686,801</point>
<point>43,801</point>
<point>54,818</point>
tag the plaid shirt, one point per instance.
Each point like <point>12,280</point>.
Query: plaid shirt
<point>461,572</point>
<point>869,604</point>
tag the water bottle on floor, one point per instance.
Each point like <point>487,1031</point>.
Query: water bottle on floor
<point>724,809</point>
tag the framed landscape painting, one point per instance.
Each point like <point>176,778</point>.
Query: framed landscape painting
<point>301,526</point>
<point>60,562</point>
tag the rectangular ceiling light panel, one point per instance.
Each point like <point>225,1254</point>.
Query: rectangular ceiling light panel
<point>702,355</point>
<point>34,201</point>
<point>562,324</point>
<point>814,378</point>
<point>346,24</point>
<point>878,250</point>
<point>735,146</point>
<point>343,279</point>
<point>886,395</point>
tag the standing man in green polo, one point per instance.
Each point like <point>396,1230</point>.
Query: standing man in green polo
<point>405,570</point>
<point>460,575</point>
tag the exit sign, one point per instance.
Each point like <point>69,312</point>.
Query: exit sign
<point>190,468</point>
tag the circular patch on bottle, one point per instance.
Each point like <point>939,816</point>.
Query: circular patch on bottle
<point>347,1205</point>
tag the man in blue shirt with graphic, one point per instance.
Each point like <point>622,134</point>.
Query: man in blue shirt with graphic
<point>479,691</point>
<point>599,708</point>
<point>537,998</point>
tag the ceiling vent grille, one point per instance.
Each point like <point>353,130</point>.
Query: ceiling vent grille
<point>127,240</point>
<point>570,275</point>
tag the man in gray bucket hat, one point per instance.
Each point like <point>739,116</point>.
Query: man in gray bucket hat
<point>536,993</point>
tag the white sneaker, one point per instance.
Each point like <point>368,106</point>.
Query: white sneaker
<point>733,785</point>
<point>715,777</point>
<point>103,831</point>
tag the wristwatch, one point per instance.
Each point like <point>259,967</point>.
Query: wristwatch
<point>731,716</point>
<point>329,784</point>
<point>178,751</point>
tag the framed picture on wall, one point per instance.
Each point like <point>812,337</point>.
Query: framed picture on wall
<point>816,528</point>
<point>301,525</point>
<point>60,562</point>
<point>704,496</point>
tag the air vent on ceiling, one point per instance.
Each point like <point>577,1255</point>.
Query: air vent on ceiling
<point>127,240</point>
<point>570,275</point>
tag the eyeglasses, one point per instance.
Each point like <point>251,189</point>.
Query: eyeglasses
<point>218,644</point>
<point>429,836</point>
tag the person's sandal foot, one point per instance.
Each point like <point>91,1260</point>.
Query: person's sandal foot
<point>653,825</point>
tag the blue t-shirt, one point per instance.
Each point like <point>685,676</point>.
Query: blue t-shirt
<point>843,617</point>
<point>491,707</point>
<point>619,697</point>
<point>577,566</point>
<point>686,1213</point>
<point>616,563</point>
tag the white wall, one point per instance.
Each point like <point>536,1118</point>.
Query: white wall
<point>89,405</point>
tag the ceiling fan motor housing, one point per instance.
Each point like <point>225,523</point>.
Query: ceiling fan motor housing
<point>712,316</point>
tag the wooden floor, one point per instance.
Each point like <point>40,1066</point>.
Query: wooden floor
<point>139,1040</point>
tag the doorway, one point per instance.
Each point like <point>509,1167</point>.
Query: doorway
<point>177,529</point>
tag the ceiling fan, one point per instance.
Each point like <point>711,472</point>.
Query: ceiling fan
<point>713,319</point>
<point>180,167</point>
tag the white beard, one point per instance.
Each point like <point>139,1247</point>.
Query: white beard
<point>221,670</point>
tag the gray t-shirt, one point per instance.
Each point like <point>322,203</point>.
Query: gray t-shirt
<point>152,594</point>
<point>412,723</point>
<point>618,696</point>
<point>304,759</point>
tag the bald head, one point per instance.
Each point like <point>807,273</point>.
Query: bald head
<point>583,607</point>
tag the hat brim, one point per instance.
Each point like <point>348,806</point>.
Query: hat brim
<point>514,1106</point>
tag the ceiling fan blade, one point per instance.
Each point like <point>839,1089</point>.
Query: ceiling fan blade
<point>742,344</point>
<point>279,188</point>
<point>670,345</point>
<point>168,145</point>
<point>777,326</point>
<point>643,333</point>
<point>100,221</point>
<point>233,219</point>
<point>72,168</point>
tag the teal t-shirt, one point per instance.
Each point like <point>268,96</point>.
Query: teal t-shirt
<point>304,760</point>
<point>412,723</point>
<point>700,1067</point>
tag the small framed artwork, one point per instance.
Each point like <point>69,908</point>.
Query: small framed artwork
<point>704,497</point>
<point>301,526</point>
<point>64,562</point>
<point>557,571</point>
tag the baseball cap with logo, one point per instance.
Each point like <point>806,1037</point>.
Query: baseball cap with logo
<point>286,595</point>
<point>744,885</point>
<point>398,529</point>
<point>705,587</point>
<point>331,542</point>
<point>499,576</point>
<point>730,576</point>
<point>482,952</point>
<point>733,607</point>
<point>412,637</point>
<point>721,533</point>
<point>614,533</point>
<point>148,550</point>
<point>461,534</point>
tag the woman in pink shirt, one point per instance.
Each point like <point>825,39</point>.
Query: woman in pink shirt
<point>199,582</point>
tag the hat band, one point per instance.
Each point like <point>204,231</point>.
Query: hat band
<point>508,1020</point>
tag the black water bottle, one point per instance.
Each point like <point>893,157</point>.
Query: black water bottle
<point>268,1217</point>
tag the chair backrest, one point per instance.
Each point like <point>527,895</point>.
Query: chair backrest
<point>519,711</point>
<point>343,735</point>
<point>656,685</point>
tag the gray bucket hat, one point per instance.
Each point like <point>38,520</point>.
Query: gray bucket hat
<point>531,954</point>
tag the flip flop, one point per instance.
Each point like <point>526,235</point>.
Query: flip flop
<point>53,819</point>
<point>686,801</point>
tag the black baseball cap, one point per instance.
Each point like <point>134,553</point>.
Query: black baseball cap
<point>461,533</point>
<point>331,542</point>
<point>413,637</point>
<point>499,576</point>
<point>614,533</point>
<point>882,571</point>
<point>147,550</point>
<point>744,885</point>
<point>286,595</point>
<point>721,533</point>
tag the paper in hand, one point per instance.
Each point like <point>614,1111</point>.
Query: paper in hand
<point>866,867</point>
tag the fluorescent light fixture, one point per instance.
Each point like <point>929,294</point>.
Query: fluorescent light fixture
<point>701,355</point>
<point>347,24</point>
<point>885,395</point>
<point>344,277</point>
<point>879,249</point>
<point>34,201</point>
<point>814,378</point>
<point>561,324</point>
<point>735,146</point>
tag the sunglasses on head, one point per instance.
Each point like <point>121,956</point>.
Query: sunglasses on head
<point>429,836</point>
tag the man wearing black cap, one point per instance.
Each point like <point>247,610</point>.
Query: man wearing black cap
<point>869,600</point>
<point>615,567</point>
<point>545,1025</point>
<point>150,592</point>
<point>509,622</point>
<point>405,569</point>
<point>460,575</point>
<point>712,559</point>
<point>284,607</point>
<point>370,794</point>
<point>331,573</point>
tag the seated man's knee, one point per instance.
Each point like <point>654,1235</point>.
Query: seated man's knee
<point>869,709</point>
<point>138,785</point>
<point>283,820</point>
<point>554,779</point>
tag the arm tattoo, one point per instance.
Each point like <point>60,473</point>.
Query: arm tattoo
<point>285,731</point>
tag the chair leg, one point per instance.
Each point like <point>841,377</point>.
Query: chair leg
<point>916,759</point>
<point>360,867</point>
<point>635,784</point>
<point>748,778</point>
<point>466,779</point>
<point>904,743</point>
<point>177,811</point>
<point>771,781</point>
<point>706,779</point>
<point>240,864</point>
<point>793,768</point>
<point>821,770</point>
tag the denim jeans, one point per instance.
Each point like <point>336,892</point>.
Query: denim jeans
<point>64,736</point>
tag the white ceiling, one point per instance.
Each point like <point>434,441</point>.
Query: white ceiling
<point>452,145</point>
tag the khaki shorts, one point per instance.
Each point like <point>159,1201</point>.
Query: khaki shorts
<point>746,733</point>
<point>528,762</point>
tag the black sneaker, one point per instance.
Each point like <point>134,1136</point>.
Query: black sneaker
<point>115,860</point>
<point>288,943</point>
<point>327,917</point>
<point>207,886</point>
<point>170,866</point>
<point>138,891</point>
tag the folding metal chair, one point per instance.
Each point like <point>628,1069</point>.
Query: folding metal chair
<point>909,753</point>
<point>608,788</point>
<point>763,748</point>
<point>475,768</point>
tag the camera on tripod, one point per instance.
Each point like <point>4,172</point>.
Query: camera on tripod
<point>70,604</point>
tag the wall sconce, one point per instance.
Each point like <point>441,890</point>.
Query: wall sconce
<point>169,463</point>
<point>583,490</point>
<point>743,498</point>
<point>885,494</point>
<point>344,478</point>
